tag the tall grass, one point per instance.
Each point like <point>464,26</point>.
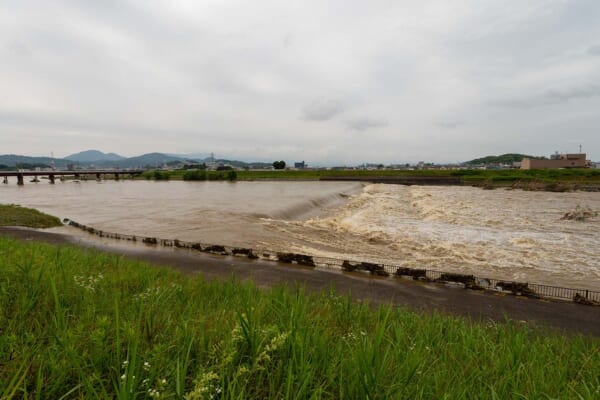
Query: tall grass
<point>157,175</point>
<point>14,215</point>
<point>83,324</point>
<point>191,175</point>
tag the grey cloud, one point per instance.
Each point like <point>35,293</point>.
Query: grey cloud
<point>19,48</point>
<point>449,124</point>
<point>594,50</point>
<point>364,123</point>
<point>549,97</point>
<point>84,126</point>
<point>288,40</point>
<point>555,96</point>
<point>322,109</point>
<point>196,76</point>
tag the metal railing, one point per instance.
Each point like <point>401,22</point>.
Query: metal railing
<point>533,290</point>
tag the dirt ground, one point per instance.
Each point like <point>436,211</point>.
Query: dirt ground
<point>422,297</point>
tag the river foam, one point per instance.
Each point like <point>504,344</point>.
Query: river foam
<point>506,234</point>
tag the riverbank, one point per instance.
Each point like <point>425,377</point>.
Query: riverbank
<point>417,296</point>
<point>91,324</point>
<point>15,215</point>
<point>558,180</point>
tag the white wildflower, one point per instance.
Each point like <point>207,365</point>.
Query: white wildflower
<point>88,282</point>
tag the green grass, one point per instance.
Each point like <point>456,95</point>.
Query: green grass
<point>191,175</point>
<point>494,178</point>
<point>14,215</point>
<point>572,175</point>
<point>78,323</point>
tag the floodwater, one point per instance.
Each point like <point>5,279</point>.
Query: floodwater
<point>504,234</point>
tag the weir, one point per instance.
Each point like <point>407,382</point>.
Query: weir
<point>524,289</point>
<point>399,180</point>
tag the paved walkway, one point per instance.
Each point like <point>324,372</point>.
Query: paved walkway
<point>422,297</point>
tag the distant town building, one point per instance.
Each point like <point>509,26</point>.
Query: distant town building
<point>575,160</point>
<point>300,165</point>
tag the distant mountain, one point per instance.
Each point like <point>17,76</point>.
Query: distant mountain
<point>18,161</point>
<point>94,156</point>
<point>148,160</point>
<point>508,158</point>
<point>97,159</point>
<point>191,156</point>
<point>239,164</point>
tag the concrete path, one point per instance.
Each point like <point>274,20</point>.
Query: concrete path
<point>422,297</point>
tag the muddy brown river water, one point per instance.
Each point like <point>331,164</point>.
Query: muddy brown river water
<point>504,234</point>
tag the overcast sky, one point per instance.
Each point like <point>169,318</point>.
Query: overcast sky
<point>322,81</point>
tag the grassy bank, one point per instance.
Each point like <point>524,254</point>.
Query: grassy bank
<point>558,179</point>
<point>90,325</point>
<point>470,177</point>
<point>13,215</point>
<point>191,175</point>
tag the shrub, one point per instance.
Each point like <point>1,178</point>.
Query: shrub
<point>195,175</point>
<point>157,175</point>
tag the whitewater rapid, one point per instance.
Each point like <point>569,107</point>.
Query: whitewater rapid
<point>504,234</point>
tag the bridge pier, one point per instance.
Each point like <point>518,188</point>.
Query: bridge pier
<point>51,178</point>
<point>98,178</point>
<point>5,180</point>
<point>20,179</point>
<point>116,176</point>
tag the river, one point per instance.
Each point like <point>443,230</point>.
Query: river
<point>504,234</point>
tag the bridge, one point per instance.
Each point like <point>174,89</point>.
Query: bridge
<point>76,174</point>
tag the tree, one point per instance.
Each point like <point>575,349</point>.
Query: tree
<point>279,164</point>
<point>231,175</point>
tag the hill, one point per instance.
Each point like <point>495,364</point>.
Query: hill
<point>148,160</point>
<point>94,156</point>
<point>14,161</point>
<point>98,159</point>
<point>508,158</point>
<point>26,162</point>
